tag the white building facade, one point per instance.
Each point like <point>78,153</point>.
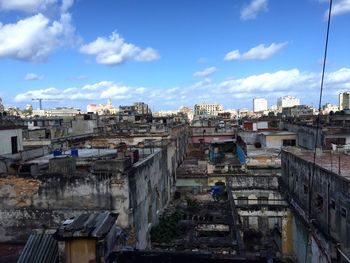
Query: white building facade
<point>344,101</point>
<point>208,109</point>
<point>260,104</point>
<point>11,141</point>
<point>287,101</point>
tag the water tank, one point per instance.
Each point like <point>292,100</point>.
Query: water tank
<point>57,152</point>
<point>74,152</point>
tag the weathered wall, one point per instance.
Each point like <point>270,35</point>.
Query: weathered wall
<point>254,182</point>
<point>330,195</point>
<point>137,194</point>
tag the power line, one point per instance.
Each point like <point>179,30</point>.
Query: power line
<point>318,124</point>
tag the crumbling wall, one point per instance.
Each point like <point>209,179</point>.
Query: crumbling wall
<point>28,203</point>
<point>330,193</point>
<point>254,182</point>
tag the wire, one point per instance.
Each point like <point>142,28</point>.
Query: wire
<point>318,125</point>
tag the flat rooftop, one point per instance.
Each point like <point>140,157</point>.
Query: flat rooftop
<point>326,160</point>
<point>277,133</point>
<point>82,153</point>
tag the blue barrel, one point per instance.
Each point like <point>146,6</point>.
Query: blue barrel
<point>74,152</point>
<point>57,152</point>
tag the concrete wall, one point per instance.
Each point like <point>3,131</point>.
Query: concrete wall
<point>330,195</point>
<point>264,182</point>
<point>5,140</point>
<point>138,194</point>
<point>275,141</point>
<point>83,126</point>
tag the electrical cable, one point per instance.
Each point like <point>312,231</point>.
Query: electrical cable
<point>318,125</point>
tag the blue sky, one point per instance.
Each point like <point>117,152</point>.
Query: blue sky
<point>170,53</point>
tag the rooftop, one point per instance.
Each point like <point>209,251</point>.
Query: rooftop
<point>89,225</point>
<point>326,160</point>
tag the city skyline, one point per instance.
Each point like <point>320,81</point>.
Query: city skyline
<point>173,54</point>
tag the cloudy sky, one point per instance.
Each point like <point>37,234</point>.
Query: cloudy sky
<point>170,53</point>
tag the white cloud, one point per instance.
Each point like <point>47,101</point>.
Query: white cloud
<point>94,91</point>
<point>114,50</point>
<point>204,73</point>
<point>66,4</point>
<point>33,76</point>
<point>260,52</point>
<point>233,55</point>
<point>29,6</point>
<point>230,91</point>
<point>339,7</point>
<point>148,54</point>
<point>34,38</point>
<point>251,11</point>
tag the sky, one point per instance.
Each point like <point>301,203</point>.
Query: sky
<point>169,53</point>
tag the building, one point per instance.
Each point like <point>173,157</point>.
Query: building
<point>205,108</point>
<point>344,101</point>
<point>2,108</point>
<point>61,111</point>
<point>102,109</point>
<point>259,104</point>
<point>277,139</point>
<point>318,188</point>
<point>327,108</point>
<point>11,141</point>
<point>142,108</point>
<point>287,101</point>
<point>298,111</point>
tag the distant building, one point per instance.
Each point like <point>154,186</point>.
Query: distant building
<point>2,108</point>
<point>208,109</point>
<point>287,101</point>
<point>298,111</point>
<point>61,112</point>
<point>327,108</point>
<point>102,109</point>
<point>188,111</point>
<point>142,108</point>
<point>259,104</point>
<point>344,101</point>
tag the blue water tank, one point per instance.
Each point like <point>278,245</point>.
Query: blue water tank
<point>57,152</point>
<point>74,152</point>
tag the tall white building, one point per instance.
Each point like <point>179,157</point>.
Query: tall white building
<point>287,101</point>
<point>344,101</point>
<point>208,108</point>
<point>259,104</point>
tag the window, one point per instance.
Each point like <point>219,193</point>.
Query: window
<point>343,212</point>
<point>319,201</point>
<point>306,189</point>
<point>263,200</point>
<point>288,142</point>
<point>242,200</point>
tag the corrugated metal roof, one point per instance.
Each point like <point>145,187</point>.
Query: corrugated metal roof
<point>93,225</point>
<point>40,248</point>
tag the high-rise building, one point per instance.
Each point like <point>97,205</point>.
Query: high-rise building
<point>259,104</point>
<point>208,108</point>
<point>344,101</point>
<point>142,108</point>
<point>287,101</point>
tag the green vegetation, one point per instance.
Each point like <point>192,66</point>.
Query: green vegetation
<point>167,229</point>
